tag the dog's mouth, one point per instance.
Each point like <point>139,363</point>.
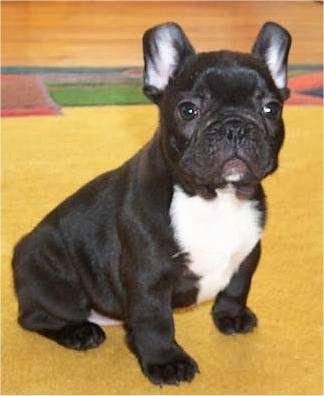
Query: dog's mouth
<point>236,170</point>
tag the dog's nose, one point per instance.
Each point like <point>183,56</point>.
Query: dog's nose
<point>234,131</point>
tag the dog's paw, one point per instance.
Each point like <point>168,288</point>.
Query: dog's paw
<point>83,336</point>
<point>243,322</point>
<point>79,336</point>
<point>173,371</point>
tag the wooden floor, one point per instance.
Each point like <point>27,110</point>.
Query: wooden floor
<point>90,33</point>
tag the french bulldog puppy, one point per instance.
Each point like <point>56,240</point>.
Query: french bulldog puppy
<point>178,223</point>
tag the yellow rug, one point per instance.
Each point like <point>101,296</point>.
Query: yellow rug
<point>47,158</point>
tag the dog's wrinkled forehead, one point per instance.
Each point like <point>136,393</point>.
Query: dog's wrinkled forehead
<point>223,75</point>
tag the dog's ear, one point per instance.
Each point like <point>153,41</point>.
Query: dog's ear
<point>165,48</point>
<point>272,46</point>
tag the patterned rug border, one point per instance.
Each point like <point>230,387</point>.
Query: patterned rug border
<point>94,86</point>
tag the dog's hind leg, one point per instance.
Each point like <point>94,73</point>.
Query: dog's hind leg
<point>79,335</point>
<point>52,301</point>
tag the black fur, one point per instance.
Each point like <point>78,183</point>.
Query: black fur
<point>110,246</point>
<point>230,312</point>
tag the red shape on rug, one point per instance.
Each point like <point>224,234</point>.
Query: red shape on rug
<point>25,95</point>
<point>299,84</point>
<point>306,81</point>
<point>301,99</point>
<point>26,112</point>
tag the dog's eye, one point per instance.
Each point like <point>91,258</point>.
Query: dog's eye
<point>188,111</point>
<point>271,109</point>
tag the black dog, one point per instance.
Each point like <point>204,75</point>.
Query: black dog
<point>178,223</point>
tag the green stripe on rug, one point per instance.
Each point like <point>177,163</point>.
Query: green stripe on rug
<point>96,94</point>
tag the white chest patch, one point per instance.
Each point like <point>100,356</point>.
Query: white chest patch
<point>218,234</point>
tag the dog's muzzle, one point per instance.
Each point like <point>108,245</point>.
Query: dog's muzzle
<point>235,133</point>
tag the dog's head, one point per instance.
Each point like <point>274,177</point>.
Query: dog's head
<point>220,112</point>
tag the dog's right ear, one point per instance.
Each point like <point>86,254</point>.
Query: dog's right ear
<point>165,48</point>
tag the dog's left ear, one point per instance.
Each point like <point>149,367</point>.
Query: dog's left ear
<point>272,46</point>
<point>165,49</point>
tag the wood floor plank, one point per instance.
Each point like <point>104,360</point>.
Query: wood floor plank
<point>102,33</point>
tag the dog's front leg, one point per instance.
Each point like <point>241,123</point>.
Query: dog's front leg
<point>230,313</point>
<point>149,319</point>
